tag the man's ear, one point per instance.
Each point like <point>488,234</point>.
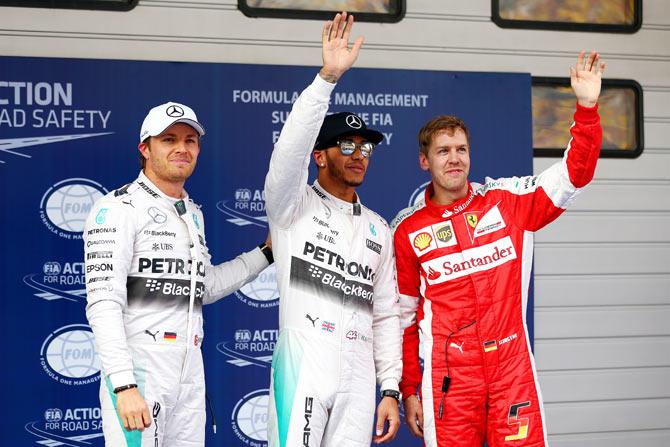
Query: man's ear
<point>144,149</point>
<point>423,161</point>
<point>319,158</point>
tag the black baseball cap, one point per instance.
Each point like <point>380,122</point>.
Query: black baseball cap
<point>344,124</point>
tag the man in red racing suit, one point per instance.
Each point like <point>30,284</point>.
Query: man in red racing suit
<point>464,258</point>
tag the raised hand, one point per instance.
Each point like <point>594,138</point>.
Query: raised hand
<point>586,77</point>
<point>337,57</point>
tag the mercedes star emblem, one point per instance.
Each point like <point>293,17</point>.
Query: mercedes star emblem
<point>174,111</point>
<point>354,122</point>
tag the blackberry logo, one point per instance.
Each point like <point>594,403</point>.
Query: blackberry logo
<point>153,285</point>
<point>315,272</point>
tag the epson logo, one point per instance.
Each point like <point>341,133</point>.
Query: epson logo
<point>99,268</point>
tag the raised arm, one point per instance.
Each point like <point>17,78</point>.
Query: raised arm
<point>538,200</point>
<point>290,159</point>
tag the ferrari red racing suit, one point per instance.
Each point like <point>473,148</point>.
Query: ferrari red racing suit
<point>463,275</point>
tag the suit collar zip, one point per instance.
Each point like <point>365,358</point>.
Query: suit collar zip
<point>353,209</point>
<point>181,206</point>
<point>452,209</point>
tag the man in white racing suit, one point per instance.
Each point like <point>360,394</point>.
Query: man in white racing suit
<point>148,273</point>
<point>338,313</point>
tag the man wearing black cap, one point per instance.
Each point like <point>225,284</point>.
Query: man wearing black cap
<point>338,317</point>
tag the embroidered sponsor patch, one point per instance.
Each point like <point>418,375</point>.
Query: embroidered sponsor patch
<point>456,265</point>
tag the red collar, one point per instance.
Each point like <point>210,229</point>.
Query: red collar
<point>452,209</point>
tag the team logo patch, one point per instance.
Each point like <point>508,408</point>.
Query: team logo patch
<point>472,219</point>
<point>377,248</point>
<point>491,221</point>
<point>422,241</point>
<point>444,233</point>
<point>469,261</point>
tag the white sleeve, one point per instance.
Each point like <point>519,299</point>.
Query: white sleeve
<point>289,164</point>
<point>387,335</point>
<point>109,238</point>
<point>225,278</point>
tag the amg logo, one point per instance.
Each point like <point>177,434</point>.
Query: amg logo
<point>307,431</point>
<point>156,412</point>
<point>99,255</point>
<point>377,248</point>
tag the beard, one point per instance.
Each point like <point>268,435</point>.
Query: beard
<point>339,173</point>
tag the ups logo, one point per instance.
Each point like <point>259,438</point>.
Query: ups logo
<point>444,233</point>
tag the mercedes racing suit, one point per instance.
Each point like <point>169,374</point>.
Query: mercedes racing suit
<point>338,312</point>
<point>148,273</point>
<point>463,276</point>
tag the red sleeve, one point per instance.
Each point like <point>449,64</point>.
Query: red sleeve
<point>536,201</point>
<point>411,369</point>
<point>409,281</point>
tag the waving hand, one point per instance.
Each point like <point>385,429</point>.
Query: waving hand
<point>586,77</point>
<point>337,56</point>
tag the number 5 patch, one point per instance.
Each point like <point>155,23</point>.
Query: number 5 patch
<point>513,418</point>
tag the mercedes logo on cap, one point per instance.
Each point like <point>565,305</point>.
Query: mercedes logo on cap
<point>354,122</point>
<point>174,111</point>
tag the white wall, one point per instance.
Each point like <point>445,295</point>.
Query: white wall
<point>602,271</point>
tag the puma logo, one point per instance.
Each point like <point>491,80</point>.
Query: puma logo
<point>459,347</point>
<point>152,335</point>
<point>313,320</point>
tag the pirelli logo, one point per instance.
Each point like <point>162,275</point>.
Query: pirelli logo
<point>478,259</point>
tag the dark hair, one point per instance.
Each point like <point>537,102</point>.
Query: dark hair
<point>441,123</point>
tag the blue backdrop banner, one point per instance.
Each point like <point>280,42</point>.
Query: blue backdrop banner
<point>68,134</point>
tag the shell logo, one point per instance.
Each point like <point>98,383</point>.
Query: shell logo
<point>422,241</point>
